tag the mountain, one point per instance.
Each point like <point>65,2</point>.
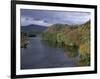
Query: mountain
<point>33,27</point>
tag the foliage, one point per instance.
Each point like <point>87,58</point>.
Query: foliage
<point>84,60</point>
<point>70,35</point>
<point>84,48</point>
<point>24,40</point>
<point>71,51</point>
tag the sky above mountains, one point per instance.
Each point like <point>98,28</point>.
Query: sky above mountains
<point>48,17</point>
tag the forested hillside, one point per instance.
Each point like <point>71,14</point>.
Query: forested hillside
<point>62,35</point>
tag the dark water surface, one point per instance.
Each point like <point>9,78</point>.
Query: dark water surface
<point>38,55</point>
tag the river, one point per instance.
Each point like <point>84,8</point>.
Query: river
<point>38,55</point>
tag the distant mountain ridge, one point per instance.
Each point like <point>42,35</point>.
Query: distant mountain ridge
<point>33,27</point>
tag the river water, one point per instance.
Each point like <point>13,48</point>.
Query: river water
<point>38,55</point>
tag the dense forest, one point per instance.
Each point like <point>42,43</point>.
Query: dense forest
<point>66,36</point>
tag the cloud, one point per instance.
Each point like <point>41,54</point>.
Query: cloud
<point>73,17</point>
<point>29,20</point>
<point>48,17</point>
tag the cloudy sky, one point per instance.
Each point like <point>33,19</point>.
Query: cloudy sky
<point>47,18</point>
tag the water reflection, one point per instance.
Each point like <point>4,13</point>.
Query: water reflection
<point>70,51</point>
<point>39,54</point>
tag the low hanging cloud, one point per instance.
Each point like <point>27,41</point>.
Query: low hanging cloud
<point>28,20</point>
